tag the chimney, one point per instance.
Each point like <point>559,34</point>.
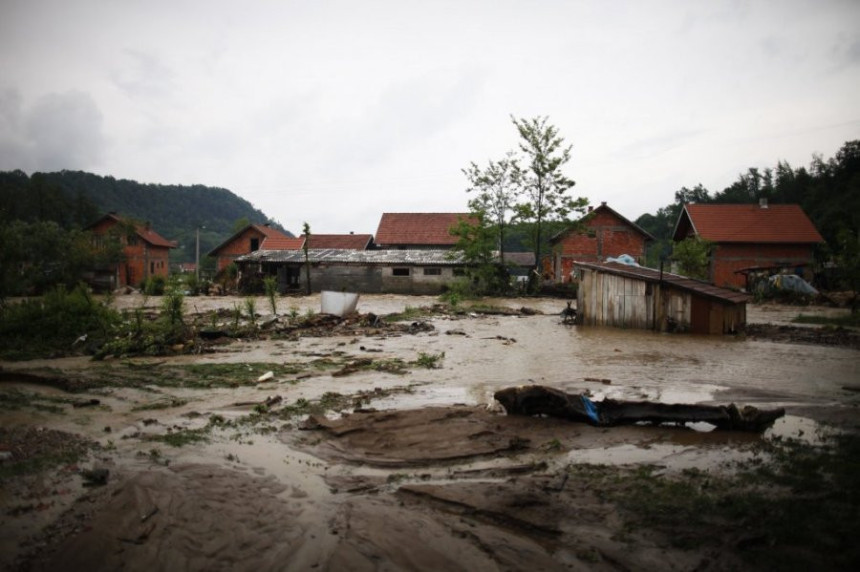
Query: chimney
<point>603,203</point>
<point>146,225</point>
<point>590,208</point>
<point>762,203</point>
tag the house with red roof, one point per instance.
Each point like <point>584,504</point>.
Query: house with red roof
<point>146,252</point>
<point>751,237</point>
<point>600,234</point>
<point>250,239</point>
<point>415,231</point>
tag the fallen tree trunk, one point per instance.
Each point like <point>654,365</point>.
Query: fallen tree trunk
<point>542,400</point>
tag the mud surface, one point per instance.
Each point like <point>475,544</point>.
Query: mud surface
<point>341,461</point>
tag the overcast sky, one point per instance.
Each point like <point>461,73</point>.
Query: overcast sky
<point>333,112</point>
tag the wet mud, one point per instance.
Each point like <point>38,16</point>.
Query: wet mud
<point>331,463</point>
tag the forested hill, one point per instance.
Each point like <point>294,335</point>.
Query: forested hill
<point>76,199</point>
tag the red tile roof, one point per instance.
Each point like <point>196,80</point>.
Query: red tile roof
<point>747,223</point>
<point>144,231</point>
<point>268,233</point>
<point>418,229</point>
<point>282,243</point>
<point>340,241</point>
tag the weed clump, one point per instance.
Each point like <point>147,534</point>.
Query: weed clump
<point>59,323</point>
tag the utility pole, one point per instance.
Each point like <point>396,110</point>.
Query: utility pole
<point>197,257</point>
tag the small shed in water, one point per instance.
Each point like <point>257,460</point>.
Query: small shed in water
<point>613,294</point>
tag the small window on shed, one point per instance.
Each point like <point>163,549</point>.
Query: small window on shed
<point>255,244</point>
<point>433,272</point>
<point>400,272</point>
<point>459,272</point>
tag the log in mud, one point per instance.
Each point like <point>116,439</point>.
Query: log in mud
<point>540,400</point>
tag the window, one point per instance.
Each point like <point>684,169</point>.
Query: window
<point>432,272</point>
<point>459,272</point>
<point>400,272</point>
<point>255,244</point>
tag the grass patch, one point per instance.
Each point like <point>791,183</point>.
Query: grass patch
<point>35,450</point>
<point>795,508</point>
<point>846,321</point>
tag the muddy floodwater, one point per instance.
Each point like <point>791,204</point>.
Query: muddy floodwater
<point>320,493</point>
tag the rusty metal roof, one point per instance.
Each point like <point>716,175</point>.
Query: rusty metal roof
<point>681,282</point>
<point>370,257</point>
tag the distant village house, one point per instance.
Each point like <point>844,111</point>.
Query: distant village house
<point>145,252</point>
<point>600,234</point>
<point>750,238</point>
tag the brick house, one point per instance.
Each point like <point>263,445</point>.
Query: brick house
<point>600,234</point>
<point>250,239</point>
<point>413,231</point>
<point>749,237</point>
<point>145,251</point>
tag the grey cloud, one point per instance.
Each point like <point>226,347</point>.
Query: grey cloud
<point>143,74</point>
<point>406,113</point>
<point>59,131</point>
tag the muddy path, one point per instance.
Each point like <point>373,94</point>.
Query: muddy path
<point>339,460</point>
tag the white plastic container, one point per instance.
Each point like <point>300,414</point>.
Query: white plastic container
<point>338,303</point>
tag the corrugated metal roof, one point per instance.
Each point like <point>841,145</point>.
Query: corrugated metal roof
<point>343,256</point>
<point>750,223</point>
<point>682,282</point>
<point>418,228</point>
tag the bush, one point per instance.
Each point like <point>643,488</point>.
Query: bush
<point>50,325</point>
<point>154,286</point>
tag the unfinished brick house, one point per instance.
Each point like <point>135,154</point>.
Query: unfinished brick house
<point>250,239</point>
<point>600,234</point>
<point>411,231</point>
<point>146,252</point>
<point>751,237</point>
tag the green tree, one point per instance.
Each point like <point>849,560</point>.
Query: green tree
<point>693,256</point>
<point>542,183</point>
<point>496,189</point>
<point>477,244</point>
<point>240,223</point>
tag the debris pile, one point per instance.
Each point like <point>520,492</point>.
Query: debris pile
<point>541,400</point>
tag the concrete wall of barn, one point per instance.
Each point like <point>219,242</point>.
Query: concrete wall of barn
<point>369,278</point>
<point>380,279</point>
<point>728,258</point>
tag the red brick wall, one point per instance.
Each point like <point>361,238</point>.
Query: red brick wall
<point>611,237</point>
<point>142,259</point>
<point>239,246</point>
<point>727,258</point>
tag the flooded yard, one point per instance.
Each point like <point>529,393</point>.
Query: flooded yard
<point>387,451</point>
